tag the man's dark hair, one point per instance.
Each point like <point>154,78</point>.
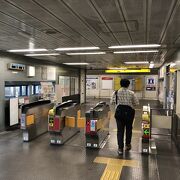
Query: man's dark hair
<point>125,83</point>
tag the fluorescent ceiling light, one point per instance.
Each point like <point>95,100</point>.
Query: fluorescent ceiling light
<point>130,52</point>
<point>48,54</point>
<point>135,46</point>
<point>136,62</point>
<point>76,48</point>
<point>76,63</point>
<point>85,53</point>
<point>26,50</point>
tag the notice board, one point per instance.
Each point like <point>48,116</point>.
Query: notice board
<point>107,82</point>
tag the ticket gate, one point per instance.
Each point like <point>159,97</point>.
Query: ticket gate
<point>62,122</point>
<point>34,119</point>
<point>97,125</point>
<point>145,145</point>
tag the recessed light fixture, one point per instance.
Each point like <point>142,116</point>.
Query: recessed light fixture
<point>172,65</point>
<point>26,50</point>
<point>76,64</point>
<point>135,46</point>
<point>48,54</point>
<point>151,65</point>
<point>136,62</point>
<point>85,53</point>
<point>131,52</point>
<point>76,48</point>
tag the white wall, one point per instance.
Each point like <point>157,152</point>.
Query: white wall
<point>101,93</point>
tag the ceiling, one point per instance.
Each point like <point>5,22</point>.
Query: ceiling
<point>103,23</point>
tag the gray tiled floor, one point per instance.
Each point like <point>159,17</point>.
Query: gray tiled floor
<point>38,160</point>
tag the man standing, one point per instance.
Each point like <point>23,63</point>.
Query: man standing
<point>125,101</point>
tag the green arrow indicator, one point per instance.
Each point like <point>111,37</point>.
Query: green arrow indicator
<point>146,131</point>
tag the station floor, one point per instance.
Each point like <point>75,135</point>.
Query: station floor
<point>38,160</point>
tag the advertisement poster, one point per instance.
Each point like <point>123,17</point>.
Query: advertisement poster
<point>91,83</point>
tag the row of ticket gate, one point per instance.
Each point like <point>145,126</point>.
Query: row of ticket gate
<point>64,122</point>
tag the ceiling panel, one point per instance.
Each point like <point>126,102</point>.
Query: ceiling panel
<point>135,10</point>
<point>109,10</point>
<point>65,23</point>
<point>65,14</point>
<point>39,13</point>
<point>19,11</point>
<point>159,11</point>
<point>29,32</point>
<point>93,16</point>
<point>123,38</point>
<point>173,31</point>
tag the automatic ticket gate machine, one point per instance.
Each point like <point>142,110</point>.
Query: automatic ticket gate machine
<point>97,125</point>
<point>62,122</point>
<point>34,119</point>
<point>146,130</point>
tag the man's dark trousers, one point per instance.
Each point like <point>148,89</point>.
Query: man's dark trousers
<point>124,118</point>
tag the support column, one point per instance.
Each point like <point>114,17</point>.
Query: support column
<point>82,86</point>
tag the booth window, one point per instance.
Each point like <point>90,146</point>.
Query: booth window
<point>23,90</point>
<point>17,91</point>
<point>12,91</point>
<point>9,92</point>
<point>37,89</point>
<point>30,90</point>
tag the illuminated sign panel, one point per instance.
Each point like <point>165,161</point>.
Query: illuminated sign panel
<point>128,71</point>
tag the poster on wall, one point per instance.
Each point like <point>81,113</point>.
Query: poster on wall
<point>117,83</point>
<point>151,84</point>
<point>47,90</point>
<point>107,82</point>
<point>138,84</point>
<point>91,83</point>
<point>64,82</point>
<point>51,73</point>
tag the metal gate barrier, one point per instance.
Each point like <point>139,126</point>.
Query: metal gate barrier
<point>155,121</point>
<point>97,125</point>
<point>62,122</point>
<point>34,119</point>
<point>161,121</point>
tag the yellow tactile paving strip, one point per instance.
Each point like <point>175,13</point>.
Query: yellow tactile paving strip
<point>114,167</point>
